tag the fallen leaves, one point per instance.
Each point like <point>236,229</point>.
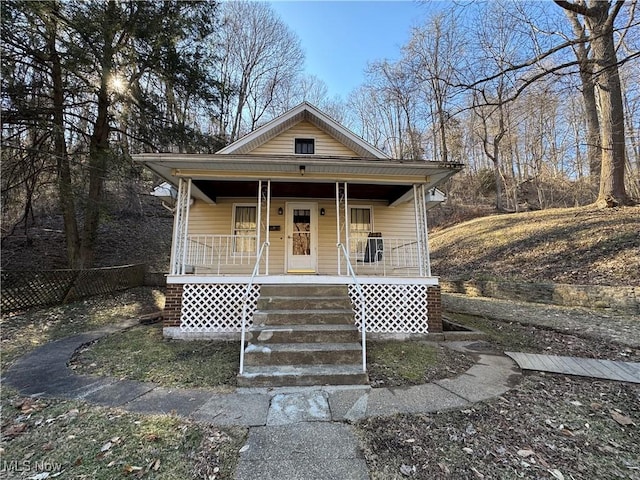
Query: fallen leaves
<point>621,419</point>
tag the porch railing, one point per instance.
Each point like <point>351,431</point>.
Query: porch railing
<point>387,256</point>
<point>218,251</point>
<point>245,300</point>
<point>384,256</point>
<point>363,317</point>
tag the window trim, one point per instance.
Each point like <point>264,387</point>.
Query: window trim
<point>233,226</point>
<point>295,140</point>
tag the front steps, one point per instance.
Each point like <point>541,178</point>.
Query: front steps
<point>303,335</point>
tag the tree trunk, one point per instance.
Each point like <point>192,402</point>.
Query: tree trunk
<point>612,189</point>
<point>99,152</point>
<point>65,186</point>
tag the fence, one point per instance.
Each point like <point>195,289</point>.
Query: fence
<point>26,289</point>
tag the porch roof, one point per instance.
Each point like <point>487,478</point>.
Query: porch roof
<point>223,175</point>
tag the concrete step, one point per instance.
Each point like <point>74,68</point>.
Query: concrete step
<point>270,302</point>
<point>304,334</point>
<point>298,317</point>
<point>305,290</point>
<point>302,375</point>
<point>302,354</point>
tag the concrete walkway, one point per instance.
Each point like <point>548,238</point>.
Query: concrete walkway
<point>294,433</point>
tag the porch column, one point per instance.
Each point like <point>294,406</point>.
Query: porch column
<point>180,228</point>
<point>427,254</point>
<point>420,208</point>
<point>342,210</point>
<point>264,209</point>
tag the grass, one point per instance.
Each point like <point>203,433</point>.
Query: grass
<point>144,355</point>
<point>405,360</point>
<point>90,442</point>
<point>25,331</point>
<point>563,245</point>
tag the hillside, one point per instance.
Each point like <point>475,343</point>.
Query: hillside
<point>570,245</point>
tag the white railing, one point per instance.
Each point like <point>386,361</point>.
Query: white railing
<point>218,251</point>
<point>245,300</point>
<point>387,256</point>
<point>363,318</point>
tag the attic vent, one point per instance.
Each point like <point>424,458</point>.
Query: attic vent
<point>305,146</point>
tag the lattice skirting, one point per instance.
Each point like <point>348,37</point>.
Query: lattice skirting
<point>389,308</point>
<point>392,308</point>
<point>216,307</point>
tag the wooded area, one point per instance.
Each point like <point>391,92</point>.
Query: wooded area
<point>541,101</point>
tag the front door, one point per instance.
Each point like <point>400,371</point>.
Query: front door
<point>302,237</point>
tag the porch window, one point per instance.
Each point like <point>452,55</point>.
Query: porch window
<point>359,229</point>
<point>244,229</point>
<point>305,146</point>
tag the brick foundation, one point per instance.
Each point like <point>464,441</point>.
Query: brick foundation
<point>172,306</point>
<point>434,309</point>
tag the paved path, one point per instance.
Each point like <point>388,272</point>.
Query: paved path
<point>294,433</point>
<point>582,367</point>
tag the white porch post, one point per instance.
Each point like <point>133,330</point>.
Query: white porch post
<point>342,203</point>
<point>259,219</point>
<point>416,208</point>
<point>420,205</point>
<point>338,225</point>
<point>180,228</point>
<point>346,220</point>
<point>267,199</point>
<point>427,255</point>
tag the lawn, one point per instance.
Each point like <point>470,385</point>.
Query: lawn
<point>82,441</point>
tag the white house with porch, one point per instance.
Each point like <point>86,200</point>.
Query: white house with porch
<point>301,217</point>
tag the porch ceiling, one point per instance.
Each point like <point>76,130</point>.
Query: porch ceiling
<point>368,178</point>
<point>215,189</point>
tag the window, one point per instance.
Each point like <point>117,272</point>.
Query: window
<point>244,229</point>
<point>305,146</point>
<point>359,229</point>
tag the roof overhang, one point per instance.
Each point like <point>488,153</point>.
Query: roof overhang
<point>395,178</point>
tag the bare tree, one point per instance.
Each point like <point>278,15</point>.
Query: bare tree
<point>260,55</point>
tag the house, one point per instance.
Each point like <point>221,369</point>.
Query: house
<point>300,207</point>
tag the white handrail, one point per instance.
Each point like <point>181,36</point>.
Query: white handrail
<point>363,318</point>
<point>245,298</point>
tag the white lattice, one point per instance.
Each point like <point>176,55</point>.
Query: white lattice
<point>216,307</point>
<point>392,308</point>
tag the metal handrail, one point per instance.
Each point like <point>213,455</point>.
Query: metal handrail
<point>245,298</point>
<point>362,304</point>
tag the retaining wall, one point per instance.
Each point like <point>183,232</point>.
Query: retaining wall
<point>623,299</point>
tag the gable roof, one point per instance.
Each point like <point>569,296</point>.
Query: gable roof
<point>304,111</point>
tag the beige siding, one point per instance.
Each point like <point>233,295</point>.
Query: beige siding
<point>283,144</point>
<point>204,219</point>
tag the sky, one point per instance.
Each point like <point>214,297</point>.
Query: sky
<point>340,38</point>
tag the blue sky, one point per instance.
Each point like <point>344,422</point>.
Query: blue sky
<point>341,37</point>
